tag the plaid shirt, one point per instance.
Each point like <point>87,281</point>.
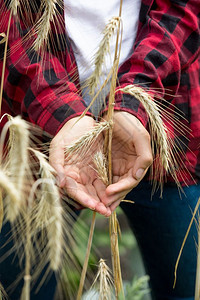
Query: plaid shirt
<point>165,59</point>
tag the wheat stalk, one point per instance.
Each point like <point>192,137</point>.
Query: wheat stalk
<point>184,241</point>
<point>108,149</point>
<point>3,295</point>
<point>1,210</point>
<point>197,285</point>
<point>85,265</point>
<point>5,38</point>
<point>14,4</point>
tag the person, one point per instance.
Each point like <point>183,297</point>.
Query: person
<point>162,55</point>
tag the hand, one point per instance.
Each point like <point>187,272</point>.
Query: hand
<point>131,157</point>
<point>76,174</point>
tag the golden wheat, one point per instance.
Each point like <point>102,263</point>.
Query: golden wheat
<point>44,24</point>
<point>105,281</point>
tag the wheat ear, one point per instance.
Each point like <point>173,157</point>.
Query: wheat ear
<point>18,153</point>
<point>84,143</point>
<point>44,24</point>
<point>105,280</point>
<point>50,211</point>
<point>14,5</point>
<point>158,131</point>
<point>101,166</point>
<point>104,48</point>
<point>12,201</point>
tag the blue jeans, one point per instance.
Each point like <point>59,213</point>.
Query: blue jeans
<point>160,226</point>
<point>10,273</point>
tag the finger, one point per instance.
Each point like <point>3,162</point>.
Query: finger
<point>144,155</point>
<point>100,208</point>
<point>115,205</point>
<point>106,199</point>
<point>75,191</point>
<point>123,186</point>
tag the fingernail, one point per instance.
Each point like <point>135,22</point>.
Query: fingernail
<point>139,173</point>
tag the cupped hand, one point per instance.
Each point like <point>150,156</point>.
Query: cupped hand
<point>76,173</point>
<point>131,157</point>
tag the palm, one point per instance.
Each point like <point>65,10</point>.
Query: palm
<point>80,178</point>
<point>123,159</point>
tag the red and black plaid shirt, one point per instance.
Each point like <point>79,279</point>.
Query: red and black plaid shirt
<point>165,59</point>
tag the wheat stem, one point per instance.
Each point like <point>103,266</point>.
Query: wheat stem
<point>85,265</point>
<point>197,285</point>
<point>4,61</point>
<point>183,244</point>
<point>1,210</point>
<point>108,146</point>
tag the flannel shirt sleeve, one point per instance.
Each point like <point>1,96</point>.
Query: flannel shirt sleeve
<point>167,43</point>
<point>39,88</point>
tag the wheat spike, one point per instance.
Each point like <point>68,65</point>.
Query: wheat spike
<point>49,211</point>
<point>44,24</point>
<point>163,144</point>
<point>12,201</point>
<point>103,49</point>
<point>101,168</point>
<point>158,128</point>
<point>18,153</point>
<point>84,143</point>
<point>105,281</point>
<point>14,5</point>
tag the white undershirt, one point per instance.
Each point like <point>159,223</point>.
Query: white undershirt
<point>85,21</point>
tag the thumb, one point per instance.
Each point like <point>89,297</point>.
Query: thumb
<point>56,159</point>
<point>144,156</point>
